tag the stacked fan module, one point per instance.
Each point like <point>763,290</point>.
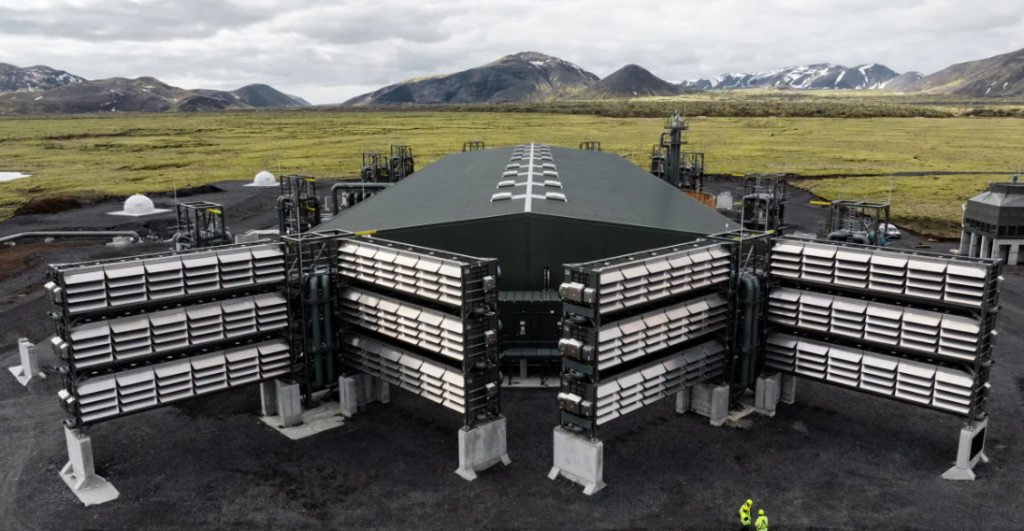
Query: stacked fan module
<point>422,320</point>
<point>916,327</point>
<point>141,332</point>
<point>641,327</point>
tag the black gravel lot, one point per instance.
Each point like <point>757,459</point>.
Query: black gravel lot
<point>834,460</point>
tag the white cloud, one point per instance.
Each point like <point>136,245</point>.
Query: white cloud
<point>328,51</point>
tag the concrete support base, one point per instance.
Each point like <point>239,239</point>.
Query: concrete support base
<point>970,452</point>
<point>579,459</point>
<point>482,447</point>
<point>289,403</point>
<point>683,400</point>
<point>767,394</point>
<point>788,389</point>
<point>357,390</point>
<point>29,368</point>
<point>308,422</point>
<point>710,401</point>
<point>80,472</point>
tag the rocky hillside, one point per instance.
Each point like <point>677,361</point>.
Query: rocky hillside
<point>144,94</point>
<point>809,77</point>
<point>1002,75</point>
<point>632,81</point>
<point>33,78</point>
<point>254,96</point>
<point>903,81</point>
<point>526,76</point>
<point>43,90</point>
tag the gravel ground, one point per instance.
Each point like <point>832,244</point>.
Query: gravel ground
<point>834,460</point>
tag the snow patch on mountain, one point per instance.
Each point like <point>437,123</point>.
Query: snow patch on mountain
<point>824,76</point>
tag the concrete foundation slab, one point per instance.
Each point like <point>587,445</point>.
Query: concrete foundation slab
<point>482,447</point>
<point>970,452</point>
<point>29,368</point>
<point>80,472</point>
<point>767,394</point>
<point>317,420</point>
<point>579,459</point>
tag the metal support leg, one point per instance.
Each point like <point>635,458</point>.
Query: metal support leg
<point>522,369</point>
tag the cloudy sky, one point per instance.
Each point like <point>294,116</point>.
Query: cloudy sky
<point>328,51</point>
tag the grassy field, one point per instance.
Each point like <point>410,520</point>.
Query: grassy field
<point>92,156</point>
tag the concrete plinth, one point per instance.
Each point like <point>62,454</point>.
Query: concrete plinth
<point>360,389</point>
<point>268,398</point>
<point>29,368</point>
<point>579,459</point>
<point>970,452</point>
<point>80,472</point>
<point>788,389</point>
<point>683,399</point>
<point>289,403</point>
<point>710,401</point>
<point>767,394</point>
<point>482,447</point>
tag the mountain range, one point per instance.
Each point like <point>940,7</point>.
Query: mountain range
<point>525,76</point>
<point>41,89</point>
<point>822,76</point>
<point>521,77</point>
<point>1002,75</point>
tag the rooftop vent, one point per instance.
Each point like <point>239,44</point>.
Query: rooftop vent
<point>510,173</point>
<point>501,196</point>
<point>554,196</point>
<point>553,184</point>
<point>551,173</point>
<point>503,184</point>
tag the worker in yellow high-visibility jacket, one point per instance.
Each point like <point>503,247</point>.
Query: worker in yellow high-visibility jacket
<point>762,521</point>
<point>745,515</point>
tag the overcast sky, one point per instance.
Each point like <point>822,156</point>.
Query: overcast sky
<point>327,52</point>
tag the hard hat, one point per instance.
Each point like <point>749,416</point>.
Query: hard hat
<point>761,512</point>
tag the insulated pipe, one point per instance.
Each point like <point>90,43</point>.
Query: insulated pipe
<point>314,301</point>
<point>352,186</point>
<point>328,328</point>
<point>281,201</point>
<point>71,234</point>
<point>751,321</point>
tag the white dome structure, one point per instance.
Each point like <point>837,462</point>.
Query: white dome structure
<point>264,178</point>
<point>139,204</point>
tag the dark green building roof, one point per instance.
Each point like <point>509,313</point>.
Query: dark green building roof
<point>601,187</point>
<point>567,206</point>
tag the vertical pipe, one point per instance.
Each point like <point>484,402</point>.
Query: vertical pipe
<point>325,281</point>
<point>314,301</point>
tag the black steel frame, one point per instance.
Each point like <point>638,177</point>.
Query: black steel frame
<point>582,322</point>
<point>201,224</point>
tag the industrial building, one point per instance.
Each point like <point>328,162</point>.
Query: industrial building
<point>580,205</point>
<point>993,223</point>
